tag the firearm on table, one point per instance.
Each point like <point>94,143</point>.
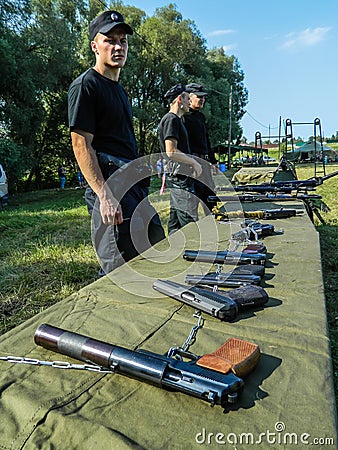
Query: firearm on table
<point>224,257</point>
<point>222,280</point>
<point>277,213</point>
<point>286,187</point>
<point>247,269</point>
<point>198,380</point>
<point>239,276</point>
<point>223,305</point>
<point>266,197</point>
<point>252,230</point>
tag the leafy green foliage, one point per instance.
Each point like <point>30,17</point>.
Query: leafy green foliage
<point>44,45</point>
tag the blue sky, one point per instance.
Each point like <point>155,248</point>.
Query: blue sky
<point>287,49</point>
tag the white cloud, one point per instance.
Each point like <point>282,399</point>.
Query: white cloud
<point>220,33</point>
<point>306,38</point>
<point>229,48</point>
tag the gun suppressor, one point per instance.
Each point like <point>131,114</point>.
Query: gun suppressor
<point>162,371</point>
<point>224,257</point>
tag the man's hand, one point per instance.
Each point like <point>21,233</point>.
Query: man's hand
<point>110,209</point>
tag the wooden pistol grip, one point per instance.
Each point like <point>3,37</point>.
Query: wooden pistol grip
<point>237,355</point>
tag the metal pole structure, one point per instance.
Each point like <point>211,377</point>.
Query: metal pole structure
<point>229,138</point>
<point>279,132</point>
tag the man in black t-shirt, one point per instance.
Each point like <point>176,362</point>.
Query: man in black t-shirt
<point>103,140</point>
<point>195,124</point>
<point>175,145</point>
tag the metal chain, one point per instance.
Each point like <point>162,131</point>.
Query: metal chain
<point>173,352</point>
<point>55,364</point>
<point>180,352</point>
<point>193,332</point>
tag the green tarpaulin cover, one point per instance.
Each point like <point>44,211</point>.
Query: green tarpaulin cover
<point>287,402</point>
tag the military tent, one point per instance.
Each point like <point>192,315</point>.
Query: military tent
<point>307,151</point>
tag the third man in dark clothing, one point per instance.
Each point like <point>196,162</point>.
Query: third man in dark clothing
<point>182,167</point>
<point>199,142</point>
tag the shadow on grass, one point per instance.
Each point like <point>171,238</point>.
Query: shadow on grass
<point>328,245</point>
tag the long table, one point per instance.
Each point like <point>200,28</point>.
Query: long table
<point>287,402</point>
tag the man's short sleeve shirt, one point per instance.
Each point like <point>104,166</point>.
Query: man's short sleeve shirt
<point>100,106</point>
<point>199,141</point>
<point>171,126</point>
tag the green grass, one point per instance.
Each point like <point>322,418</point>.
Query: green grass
<point>46,251</point>
<point>328,241</point>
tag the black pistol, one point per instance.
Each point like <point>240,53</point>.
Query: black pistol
<point>222,279</point>
<point>217,303</point>
<point>212,303</point>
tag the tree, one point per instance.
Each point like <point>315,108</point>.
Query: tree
<point>44,45</point>
<point>177,53</point>
<point>165,50</point>
<point>226,72</point>
<point>19,111</point>
<point>42,57</point>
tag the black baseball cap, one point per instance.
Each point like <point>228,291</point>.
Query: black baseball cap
<point>197,89</point>
<point>106,22</point>
<point>175,91</point>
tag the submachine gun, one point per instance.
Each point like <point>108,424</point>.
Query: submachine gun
<point>286,187</point>
<point>282,190</point>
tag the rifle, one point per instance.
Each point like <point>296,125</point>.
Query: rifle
<point>282,186</point>
<point>224,257</point>
<point>223,305</point>
<point>278,213</point>
<point>266,197</point>
<point>162,371</point>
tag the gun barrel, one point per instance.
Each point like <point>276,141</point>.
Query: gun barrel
<point>264,197</point>
<point>75,345</point>
<point>161,371</point>
<point>225,257</point>
<point>328,176</point>
<point>209,302</point>
<point>230,280</point>
<point>264,188</point>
